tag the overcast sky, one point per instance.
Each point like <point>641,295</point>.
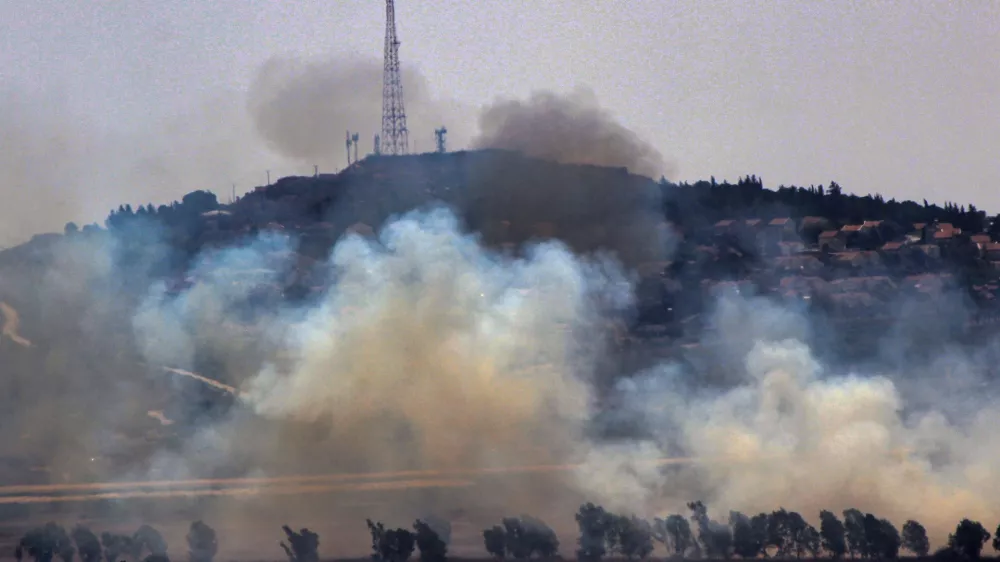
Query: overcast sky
<point>890,97</point>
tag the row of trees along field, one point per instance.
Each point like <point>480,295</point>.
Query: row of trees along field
<point>603,534</point>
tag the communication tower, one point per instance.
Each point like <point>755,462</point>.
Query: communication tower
<point>439,137</point>
<point>394,138</point>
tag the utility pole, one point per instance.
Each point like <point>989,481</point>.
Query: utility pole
<point>377,146</point>
<point>394,132</point>
<point>348,148</point>
<point>269,178</point>
<point>354,141</point>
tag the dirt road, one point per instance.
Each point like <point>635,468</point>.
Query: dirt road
<point>11,323</point>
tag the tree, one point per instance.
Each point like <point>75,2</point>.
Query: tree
<point>70,229</point>
<point>202,543</point>
<point>148,539</point>
<point>432,546</point>
<point>749,535</point>
<point>526,536</point>
<point>595,526</point>
<point>115,546</point>
<point>968,539</point>
<point>87,544</point>
<point>881,537</point>
<point>716,539</point>
<point>996,539</point>
<point>46,542</point>
<point>854,525</point>
<point>633,537</point>
<point>675,533</point>
<point>495,540</point>
<point>390,545</point>
<point>832,533</point>
<point>914,538</point>
<point>302,546</point>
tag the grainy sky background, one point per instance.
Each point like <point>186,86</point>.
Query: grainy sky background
<point>105,102</point>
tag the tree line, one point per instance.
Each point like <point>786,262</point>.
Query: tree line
<point>603,534</point>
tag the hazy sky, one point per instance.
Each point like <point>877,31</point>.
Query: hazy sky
<point>891,97</point>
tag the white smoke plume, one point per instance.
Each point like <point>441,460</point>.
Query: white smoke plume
<point>793,434</point>
<point>568,128</point>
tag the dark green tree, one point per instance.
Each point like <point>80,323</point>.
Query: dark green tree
<point>495,541</point>
<point>854,525</point>
<point>527,536</point>
<point>632,537</point>
<point>832,533</point>
<point>115,546</point>
<point>716,539</point>
<point>202,542</point>
<point>432,547</point>
<point>596,528</point>
<point>968,539</point>
<point>914,538</point>
<point>675,534</point>
<point>87,544</point>
<point>749,535</point>
<point>302,546</point>
<point>996,539</point>
<point>390,545</point>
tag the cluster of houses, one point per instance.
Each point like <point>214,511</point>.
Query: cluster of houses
<point>853,269</point>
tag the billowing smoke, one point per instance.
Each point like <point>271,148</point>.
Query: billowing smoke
<point>793,433</point>
<point>568,128</point>
<point>303,108</point>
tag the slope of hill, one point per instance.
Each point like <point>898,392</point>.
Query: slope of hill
<point>78,297</point>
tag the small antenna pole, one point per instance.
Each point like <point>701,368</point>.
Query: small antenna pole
<point>315,170</point>
<point>269,178</point>
<point>354,141</point>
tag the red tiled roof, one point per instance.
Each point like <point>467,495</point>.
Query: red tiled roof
<point>890,246</point>
<point>871,224</point>
<point>980,238</point>
<point>724,223</point>
<point>829,234</point>
<point>943,234</point>
<point>852,228</point>
<point>779,222</point>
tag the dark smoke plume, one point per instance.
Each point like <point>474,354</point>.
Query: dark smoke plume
<point>302,108</point>
<point>570,128</point>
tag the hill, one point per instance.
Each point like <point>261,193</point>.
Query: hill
<point>856,264</point>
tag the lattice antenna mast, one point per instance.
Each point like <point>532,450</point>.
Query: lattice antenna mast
<point>439,137</point>
<point>394,139</point>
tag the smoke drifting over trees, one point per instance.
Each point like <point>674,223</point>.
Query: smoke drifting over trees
<point>429,350</point>
<point>568,128</point>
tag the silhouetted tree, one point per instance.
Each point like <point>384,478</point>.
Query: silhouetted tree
<point>202,543</point>
<point>749,535</point>
<point>390,545</point>
<point>854,525</point>
<point>46,542</point>
<point>526,536</point>
<point>495,540</point>
<point>675,534</point>
<point>87,544</point>
<point>881,537</point>
<point>302,546</point>
<point>148,539</point>
<point>832,533</point>
<point>596,525</point>
<point>432,546</point>
<point>631,537</point>
<point>996,539</point>
<point>716,539</point>
<point>968,539</point>
<point>914,538</point>
<point>115,546</point>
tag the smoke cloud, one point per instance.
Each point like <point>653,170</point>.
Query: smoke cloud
<point>792,432</point>
<point>302,108</point>
<point>568,128</point>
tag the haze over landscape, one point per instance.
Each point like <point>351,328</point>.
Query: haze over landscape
<point>620,283</point>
